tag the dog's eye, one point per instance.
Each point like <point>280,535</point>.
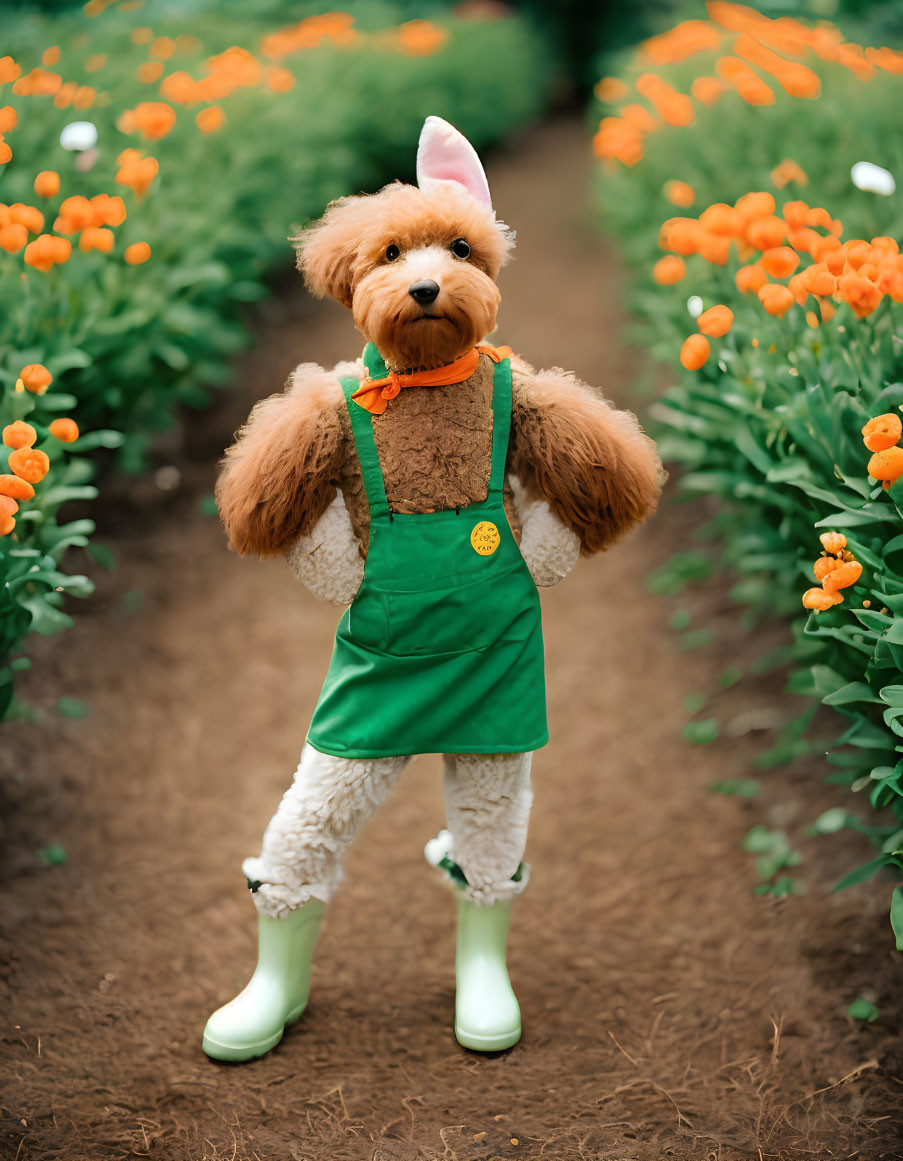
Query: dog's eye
<point>460,248</point>
<point>392,252</point>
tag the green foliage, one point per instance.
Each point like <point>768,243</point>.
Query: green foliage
<point>769,428</point>
<point>862,1009</point>
<point>129,345</point>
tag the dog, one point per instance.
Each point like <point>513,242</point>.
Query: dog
<point>430,486</point>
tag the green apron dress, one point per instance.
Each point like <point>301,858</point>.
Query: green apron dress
<point>441,651</point>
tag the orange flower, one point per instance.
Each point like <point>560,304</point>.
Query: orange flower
<point>38,83</point>
<point>47,184</point>
<point>610,89</point>
<point>833,542</point>
<point>674,108</point>
<point>714,248</point>
<point>280,80</point>
<point>818,600</point>
<point>8,118</point>
<point>107,211</point>
<point>796,214</point>
<point>886,465</point>
<point>750,278</point>
<point>36,378</point>
<point>716,321</point>
<point>860,293</point>
<point>50,56</point>
<point>722,219</point>
<point>75,213</point>
<point>824,565</point>
<point>682,235</point>
<point>96,238</point>
<point>65,430</point>
<point>818,279</point>
<point>776,299</point>
<point>137,253</point>
<point>805,240</point>
<point>795,79</point>
<point>9,70</point>
<point>152,118</point>
<point>84,97</point>
<point>210,119</point>
<point>694,352</point>
<point>745,80</point>
<point>707,90</point>
<point>882,432</point>
<point>162,48</point>
<point>780,262</point>
<point>847,573</point>
<point>29,464</point>
<point>668,270</point>
<point>150,71</point>
<point>95,63</point>
<point>754,205</point>
<point>19,434</point>
<point>767,232</point>
<point>679,193</point>
<point>47,250</point>
<point>137,172</point>
<point>788,171</point>
<point>828,310</point>
<point>7,522</point>
<point>797,288</point>
<point>13,237</point>
<point>421,38</point>
<point>6,153</point>
<point>16,488</point>
<point>812,319</point>
<point>28,216</point>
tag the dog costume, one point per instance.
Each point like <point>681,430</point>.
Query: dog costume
<point>431,486</point>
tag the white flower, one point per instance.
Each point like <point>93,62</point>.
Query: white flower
<point>694,305</point>
<point>79,135</point>
<point>873,178</point>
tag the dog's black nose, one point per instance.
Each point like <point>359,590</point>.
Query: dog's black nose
<point>424,292</point>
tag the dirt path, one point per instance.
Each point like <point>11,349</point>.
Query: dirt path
<point>668,1011</point>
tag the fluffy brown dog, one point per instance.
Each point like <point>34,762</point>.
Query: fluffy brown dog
<point>593,464</point>
<point>441,649</point>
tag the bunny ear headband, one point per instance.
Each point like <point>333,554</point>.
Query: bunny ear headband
<point>444,154</point>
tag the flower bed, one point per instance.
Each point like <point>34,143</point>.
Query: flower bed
<point>769,268</point>
<point>150,179</point>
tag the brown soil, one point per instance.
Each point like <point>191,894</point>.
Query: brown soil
<point>668,1011</point>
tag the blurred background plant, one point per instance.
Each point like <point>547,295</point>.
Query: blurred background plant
<point>779,297</point>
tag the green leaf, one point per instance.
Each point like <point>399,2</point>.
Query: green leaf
<point>831,821</point>
<point>102,554</point>
<point>863,1009</point>
<point>896,915</point>
<point>701,733</point>
<point>866,871</point>
<point>695,702</point>
<point>52,855</point>
<point>71,707</point>
<point>741,787</point>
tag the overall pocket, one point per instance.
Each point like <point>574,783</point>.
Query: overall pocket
<point>461,618</point>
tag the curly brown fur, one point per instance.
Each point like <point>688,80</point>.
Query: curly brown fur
<point>593,464</point>
<point>343,255</point>
<point>280,476</point>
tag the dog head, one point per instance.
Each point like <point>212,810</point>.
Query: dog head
<point>416,264</point>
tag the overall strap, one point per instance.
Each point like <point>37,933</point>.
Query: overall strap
<point>501,424</point>
<point>365,445</point>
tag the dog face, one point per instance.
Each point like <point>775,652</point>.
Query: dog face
<point>417,268</point>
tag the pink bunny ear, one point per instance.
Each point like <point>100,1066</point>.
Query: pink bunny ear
<point>444,154</point>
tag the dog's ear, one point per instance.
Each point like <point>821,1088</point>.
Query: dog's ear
<point>327,249</point>
<point>444,154</point>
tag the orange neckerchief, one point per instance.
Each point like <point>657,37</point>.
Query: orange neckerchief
<point>374,394</point>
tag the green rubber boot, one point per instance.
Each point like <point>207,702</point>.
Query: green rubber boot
<point>487,1016</point>
<point>253,1023</point>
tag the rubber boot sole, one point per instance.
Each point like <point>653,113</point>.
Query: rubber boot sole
<point>236,1053</point>
<point>477,1043</point>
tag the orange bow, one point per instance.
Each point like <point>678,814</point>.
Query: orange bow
<point>374,394</point>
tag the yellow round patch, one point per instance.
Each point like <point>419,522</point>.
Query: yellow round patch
<point>485,538</point>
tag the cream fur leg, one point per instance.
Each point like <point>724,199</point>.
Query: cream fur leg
<point>549,547</point>
<point>487,804</point>
<point>317,820</point>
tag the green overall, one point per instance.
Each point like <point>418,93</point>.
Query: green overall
<point>441,651</point>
